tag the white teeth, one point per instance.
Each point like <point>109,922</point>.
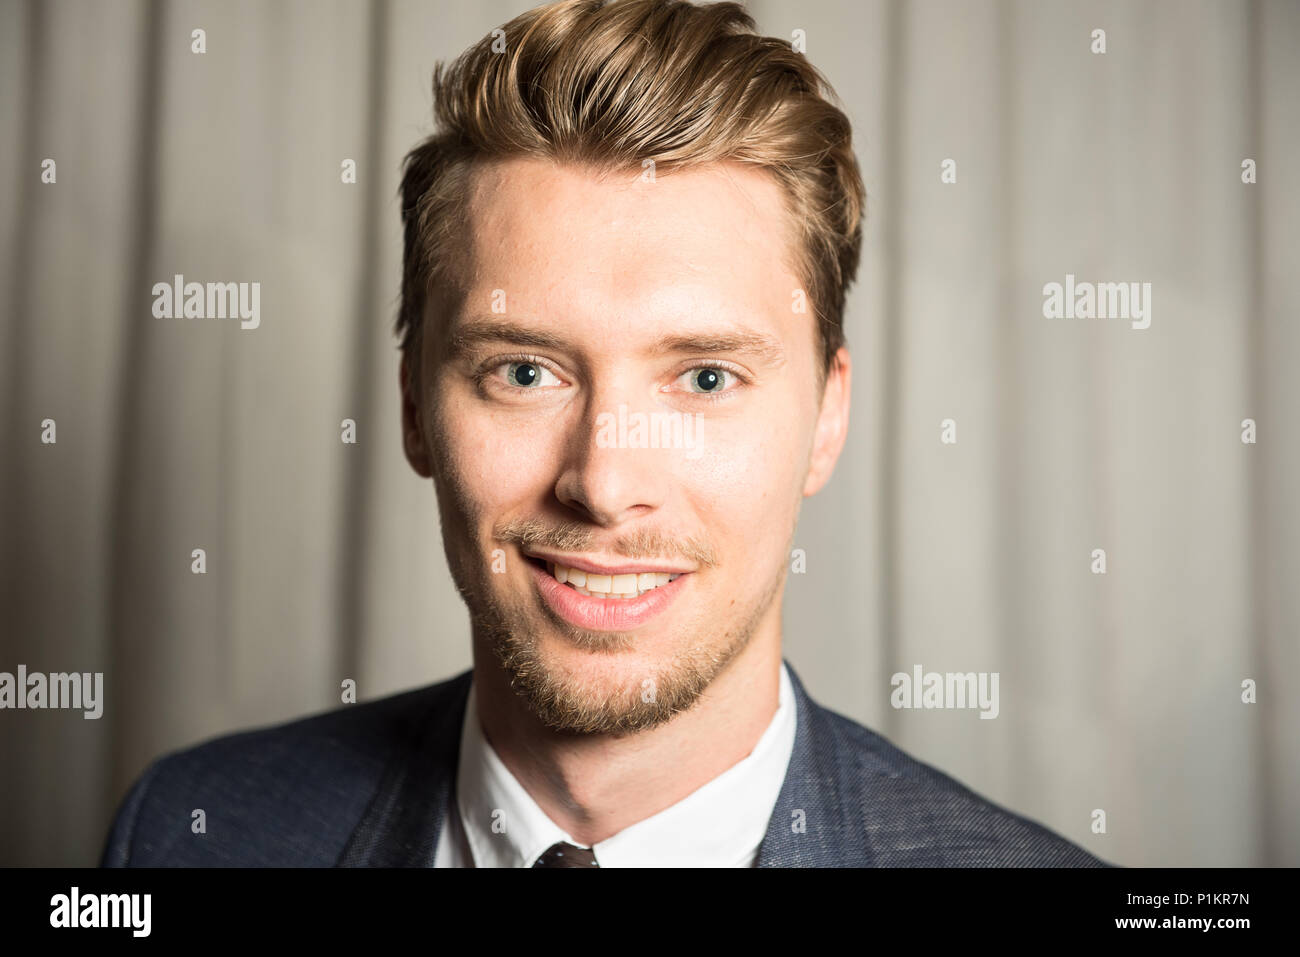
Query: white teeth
<point>628,585</point>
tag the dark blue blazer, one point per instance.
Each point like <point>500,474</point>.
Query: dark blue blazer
<point>369,785</point>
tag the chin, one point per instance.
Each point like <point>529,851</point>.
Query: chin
<point>631,688</point>
<point>604,663</point>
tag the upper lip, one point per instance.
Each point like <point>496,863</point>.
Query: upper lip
<point>595,567</point>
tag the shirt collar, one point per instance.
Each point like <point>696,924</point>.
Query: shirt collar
<point>720,824</point>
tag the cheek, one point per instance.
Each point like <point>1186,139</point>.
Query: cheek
<point>746,479</point>
<point>491,464</point>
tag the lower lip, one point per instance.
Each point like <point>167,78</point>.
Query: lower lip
<point>604,614</point>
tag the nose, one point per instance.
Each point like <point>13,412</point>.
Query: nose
<point>610,475</point>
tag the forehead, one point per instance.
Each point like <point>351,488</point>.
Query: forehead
<point>554,235</point>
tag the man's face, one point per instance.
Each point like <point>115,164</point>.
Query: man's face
<point>624,385</point>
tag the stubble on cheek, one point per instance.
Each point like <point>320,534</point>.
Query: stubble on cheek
<point>459,507</point>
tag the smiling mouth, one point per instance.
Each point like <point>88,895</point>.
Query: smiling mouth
<point>610,587</point>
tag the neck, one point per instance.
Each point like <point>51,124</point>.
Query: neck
<point>594,786</point>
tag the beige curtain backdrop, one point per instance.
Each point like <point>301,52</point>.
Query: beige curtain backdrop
<point>1119,692</point>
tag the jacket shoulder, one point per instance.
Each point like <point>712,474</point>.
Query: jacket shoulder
<point>917,816</point>
<point>287,795</point>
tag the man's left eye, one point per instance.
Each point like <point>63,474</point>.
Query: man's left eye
<point>707,380</point>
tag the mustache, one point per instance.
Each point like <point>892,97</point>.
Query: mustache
<point>577,537</point>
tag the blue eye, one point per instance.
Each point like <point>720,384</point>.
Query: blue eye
<point>707,379</point>
<point>527,375</point>
<point>523,373</point>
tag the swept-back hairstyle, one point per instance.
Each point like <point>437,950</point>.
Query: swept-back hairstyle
<point>611,83</point>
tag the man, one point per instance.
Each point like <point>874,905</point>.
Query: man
<point>626,253</point>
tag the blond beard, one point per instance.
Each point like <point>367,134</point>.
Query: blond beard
<point>565,705</point>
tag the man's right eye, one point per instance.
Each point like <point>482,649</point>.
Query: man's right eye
<point>528,375</point>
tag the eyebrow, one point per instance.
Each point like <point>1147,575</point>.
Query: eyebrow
<point>473,332</point>
<point>467,334</point>
<point>764,348</point>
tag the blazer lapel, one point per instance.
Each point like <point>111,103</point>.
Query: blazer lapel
<point>811,826</point>
<point>401,826</point>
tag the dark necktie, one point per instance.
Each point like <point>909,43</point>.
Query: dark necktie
<point>565,854</point>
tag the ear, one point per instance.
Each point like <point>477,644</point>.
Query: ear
<point>413,441</point>
<point>832,423</point>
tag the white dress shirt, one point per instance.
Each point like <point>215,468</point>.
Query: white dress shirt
<point>720,824</point>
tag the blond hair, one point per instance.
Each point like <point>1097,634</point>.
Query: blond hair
<point>612,83</point>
